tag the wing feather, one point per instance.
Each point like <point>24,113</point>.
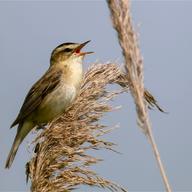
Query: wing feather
<point>39,90</point>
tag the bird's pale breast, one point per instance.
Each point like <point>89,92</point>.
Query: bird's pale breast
<point>55,103</point>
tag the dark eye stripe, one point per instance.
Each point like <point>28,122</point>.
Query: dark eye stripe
<point>63,44</point>
<point>67,50</point>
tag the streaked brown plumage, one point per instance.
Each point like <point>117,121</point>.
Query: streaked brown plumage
<point>52,94</point>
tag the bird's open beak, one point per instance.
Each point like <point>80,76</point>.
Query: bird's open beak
<point>78,49</point>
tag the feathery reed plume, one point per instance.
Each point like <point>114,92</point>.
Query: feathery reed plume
<point>60,161</point>
<point>121,18</point>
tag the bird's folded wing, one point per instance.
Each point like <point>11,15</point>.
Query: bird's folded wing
<point>37,93</point>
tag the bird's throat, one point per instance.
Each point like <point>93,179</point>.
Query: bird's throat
<point>72,72</point>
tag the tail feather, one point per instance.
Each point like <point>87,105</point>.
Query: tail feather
<point>22,131</point>
<point>13,152</point>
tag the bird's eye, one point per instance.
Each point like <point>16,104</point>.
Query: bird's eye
<point>67,50</point>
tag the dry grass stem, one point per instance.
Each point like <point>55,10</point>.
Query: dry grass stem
<point>121,18</point>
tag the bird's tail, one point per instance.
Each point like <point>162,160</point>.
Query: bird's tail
<point>22,131</point>
<point>13,152</point>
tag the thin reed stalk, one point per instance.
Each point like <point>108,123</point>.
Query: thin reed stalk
<point>121,18</point>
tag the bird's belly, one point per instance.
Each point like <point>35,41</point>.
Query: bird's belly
<point>55,103</point>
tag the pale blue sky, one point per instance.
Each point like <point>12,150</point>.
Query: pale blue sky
<point>28,33</point>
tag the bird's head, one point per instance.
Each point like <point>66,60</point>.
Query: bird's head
<point>68,51</point>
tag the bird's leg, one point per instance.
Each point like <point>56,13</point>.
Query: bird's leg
<point>41,126</point>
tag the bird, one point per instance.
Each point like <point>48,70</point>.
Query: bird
<point>52,94</point>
